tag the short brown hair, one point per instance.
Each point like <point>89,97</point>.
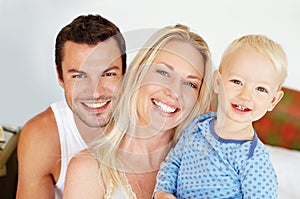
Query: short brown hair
<point>91,30</point>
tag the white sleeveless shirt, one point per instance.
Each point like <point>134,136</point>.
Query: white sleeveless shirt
<point>71,141</point>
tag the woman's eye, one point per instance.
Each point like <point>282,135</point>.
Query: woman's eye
<point>237,82</point>
<point>163,73</point>
<point>261,89</point>
<point>190,84</point>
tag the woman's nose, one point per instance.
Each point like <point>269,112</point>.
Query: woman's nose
<point>174,89</point>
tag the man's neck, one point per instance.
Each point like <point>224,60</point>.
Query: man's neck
<point>87,133</point>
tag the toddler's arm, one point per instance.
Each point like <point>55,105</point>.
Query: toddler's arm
<point>259,178</point>
<point>166,179</point>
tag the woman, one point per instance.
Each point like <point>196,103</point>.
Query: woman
<point>168,84</point>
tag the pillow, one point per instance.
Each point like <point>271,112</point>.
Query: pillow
<point>281,127</point>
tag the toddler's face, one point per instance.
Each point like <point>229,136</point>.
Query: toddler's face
<point>248,85</point>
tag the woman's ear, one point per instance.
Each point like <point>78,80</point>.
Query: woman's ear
<point>276,99</point>
<point>217,81</point>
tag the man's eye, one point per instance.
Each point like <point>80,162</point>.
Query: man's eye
<point>78,76</point>
<point>190,84</point>
<point>261,89</point>
<point>109,74</point>
<point>237,82</point>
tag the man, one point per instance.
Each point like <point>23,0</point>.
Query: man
<point>90,61</point>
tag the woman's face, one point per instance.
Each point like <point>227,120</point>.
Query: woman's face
<point>171,86</point>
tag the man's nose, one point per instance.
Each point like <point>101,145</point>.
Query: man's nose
<point>94,87</point>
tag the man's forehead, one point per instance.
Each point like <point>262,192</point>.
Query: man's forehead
<point>105,51</point>
<point>96,68</point>
<point>99,57</point>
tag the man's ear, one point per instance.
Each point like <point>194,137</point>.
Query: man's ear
<point>276,99</point>
<point>217,81</point>
<point>60,80</point>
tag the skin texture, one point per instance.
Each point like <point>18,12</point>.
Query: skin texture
<point>90,76</point>
<point>146,144</point>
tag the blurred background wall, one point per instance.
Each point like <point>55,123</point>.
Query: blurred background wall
<point>28,82</point>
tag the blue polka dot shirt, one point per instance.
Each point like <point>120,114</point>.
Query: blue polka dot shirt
<point>203,165</point>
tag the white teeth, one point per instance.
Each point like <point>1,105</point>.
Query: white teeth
<point>95,105</point>
<point>164,107</point>
<point>242,108</point>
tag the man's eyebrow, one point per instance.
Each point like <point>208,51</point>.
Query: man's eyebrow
<point>75,71</point>
<point>105,71</point>
<point>111,68</point>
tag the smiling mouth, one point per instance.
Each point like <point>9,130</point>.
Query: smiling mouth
<point>241,108</point>
<point>95,105</point>
<point>163,107</point>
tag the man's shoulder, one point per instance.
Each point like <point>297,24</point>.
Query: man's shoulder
<point>38,141</point>
<point>44,121</point>
<point>41,129</point>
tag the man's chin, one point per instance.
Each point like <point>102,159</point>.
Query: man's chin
<point>97,123</point>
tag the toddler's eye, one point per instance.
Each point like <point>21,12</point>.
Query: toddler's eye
<point>261,89</point>
<point>237,82</point>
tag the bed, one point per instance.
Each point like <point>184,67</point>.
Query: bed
<point>286,163</point>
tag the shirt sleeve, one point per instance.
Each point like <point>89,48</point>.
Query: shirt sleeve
<point>259,179</point>
<point>167,176</point>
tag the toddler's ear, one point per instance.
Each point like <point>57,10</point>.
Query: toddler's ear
<point>276,99</point>
<point>217,81</point>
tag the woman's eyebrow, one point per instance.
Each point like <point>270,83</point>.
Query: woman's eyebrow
<point>165,64</point>
<point>195,77</point>
<point>172,69</point>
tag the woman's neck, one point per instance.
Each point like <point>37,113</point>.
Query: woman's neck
<point>144,154</point>
<point>142,140</point>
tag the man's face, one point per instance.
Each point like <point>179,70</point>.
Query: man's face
<point>90,76</point>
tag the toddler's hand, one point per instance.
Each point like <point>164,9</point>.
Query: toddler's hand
<point>163,195</point>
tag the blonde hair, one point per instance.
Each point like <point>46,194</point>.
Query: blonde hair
<point>264,45</point>
<point>106,148</point>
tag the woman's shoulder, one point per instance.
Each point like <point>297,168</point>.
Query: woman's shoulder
<point>83,166</point>
<point>83,159</point>
<point>83,177</point>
